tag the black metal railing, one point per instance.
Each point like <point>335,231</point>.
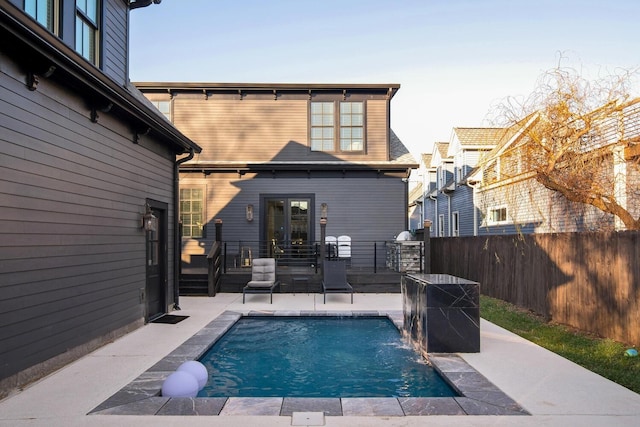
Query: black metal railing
<point>371,256</point>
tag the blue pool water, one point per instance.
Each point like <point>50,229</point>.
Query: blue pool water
<point>318,357</point>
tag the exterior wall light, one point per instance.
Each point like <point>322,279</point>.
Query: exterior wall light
<point>249,213</point>
<point>149,220</point>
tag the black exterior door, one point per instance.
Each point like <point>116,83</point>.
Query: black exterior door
<point>288,227</point>
<point>156,262</point>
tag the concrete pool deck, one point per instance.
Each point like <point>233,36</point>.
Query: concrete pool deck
<point>554,391</point>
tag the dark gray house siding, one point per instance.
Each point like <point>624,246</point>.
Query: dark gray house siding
<point>74,185</point>
<point>365,208</point>
<point>115,45</point>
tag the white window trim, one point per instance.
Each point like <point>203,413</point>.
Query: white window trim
<point>441,225</point>
<point>455,224</point>
<point>492,209</point>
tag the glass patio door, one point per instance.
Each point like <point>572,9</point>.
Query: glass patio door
<point>287,227</point>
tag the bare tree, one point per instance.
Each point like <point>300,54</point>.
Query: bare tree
<point>582,140</point>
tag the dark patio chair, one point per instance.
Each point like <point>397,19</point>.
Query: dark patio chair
<point>334,279</point>
<point>263,278</point>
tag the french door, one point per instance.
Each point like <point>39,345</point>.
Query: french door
<point>287,227</point>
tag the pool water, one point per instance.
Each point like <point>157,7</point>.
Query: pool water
<point>318,357</point>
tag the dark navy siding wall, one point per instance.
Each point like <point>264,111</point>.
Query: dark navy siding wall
<point>72,192</point>
<point>366,208</point>
<point>115,44</point>
<point>462,202</point>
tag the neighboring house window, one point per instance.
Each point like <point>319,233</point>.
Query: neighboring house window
<point>497,215</point>
<point>441,225</point>
<point>42,11</point>
<point>164,107</point>
<point>87,29</point>
<point>191,211</point>
<point>322,126</point>
<point>351,126</point>
<point>455,224</point>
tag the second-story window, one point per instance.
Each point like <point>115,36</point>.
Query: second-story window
<point>164,107</point>
<point>87,29</point>
<point>322,126</point>
<point>42,11</point>
<point>351,126</point>
<point>349,121</point>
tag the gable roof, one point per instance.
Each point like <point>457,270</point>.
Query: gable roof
<point>415,194</point>
<point>398,152</point>
<point>440,153</point>
<point>426,160</point>
<point>511,135</point>
<point>478,137</point>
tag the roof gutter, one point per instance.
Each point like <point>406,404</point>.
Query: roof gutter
<point>142,3</point>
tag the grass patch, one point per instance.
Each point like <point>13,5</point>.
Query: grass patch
<point>602,356</point>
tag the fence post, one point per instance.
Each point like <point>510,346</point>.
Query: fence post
<point>218,223</point>
<point>427,246</point>
<point>375,257</point>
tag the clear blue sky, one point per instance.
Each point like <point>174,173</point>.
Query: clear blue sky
<point>454,59</point>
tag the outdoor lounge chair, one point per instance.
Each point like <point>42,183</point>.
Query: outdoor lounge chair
<point>334,279</point>
<point>263,278</point>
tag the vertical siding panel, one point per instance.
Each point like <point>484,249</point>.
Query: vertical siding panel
<point>586,280</point>
<point>377,125</point>
<point>115,43</point>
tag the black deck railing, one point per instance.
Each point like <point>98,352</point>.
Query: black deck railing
<point>372,256</point>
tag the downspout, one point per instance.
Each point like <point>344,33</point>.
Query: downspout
<point>177,241</point>
<point>449,216</point>
<point>435,214</point>
<point>475,209</point>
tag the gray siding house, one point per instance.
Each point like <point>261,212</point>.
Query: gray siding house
<point>436,199</point>
<point>277,158</point>
<point>88,187</point>
<point>512,201</point>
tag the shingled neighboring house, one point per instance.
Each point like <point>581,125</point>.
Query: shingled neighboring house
<point>88,190</point>
<point>512,201</point>
<point>279,157</point>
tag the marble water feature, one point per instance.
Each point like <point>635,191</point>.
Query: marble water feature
<point>441,313</point>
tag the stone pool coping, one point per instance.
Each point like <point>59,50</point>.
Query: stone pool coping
<point>478,396</point>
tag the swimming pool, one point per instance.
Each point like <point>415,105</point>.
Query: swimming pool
<point>318,357</point>
<point>142,396</point>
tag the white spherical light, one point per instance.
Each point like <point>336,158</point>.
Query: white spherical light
<point>180,384</point>
<point>196,369</point>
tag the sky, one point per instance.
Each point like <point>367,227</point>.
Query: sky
<point>454,59</point>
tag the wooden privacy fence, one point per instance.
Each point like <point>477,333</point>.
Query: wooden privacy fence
<point>590,281</point>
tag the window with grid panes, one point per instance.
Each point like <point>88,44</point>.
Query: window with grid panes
<point>192,211</point>
<point>351,126</point>
<point>87,13</point>
<point>42,11</point>
<point>164,107</point>
<point>322,126</point>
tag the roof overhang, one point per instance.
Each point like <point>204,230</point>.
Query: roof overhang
<point>43,55</point>
<point>387,89</point>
